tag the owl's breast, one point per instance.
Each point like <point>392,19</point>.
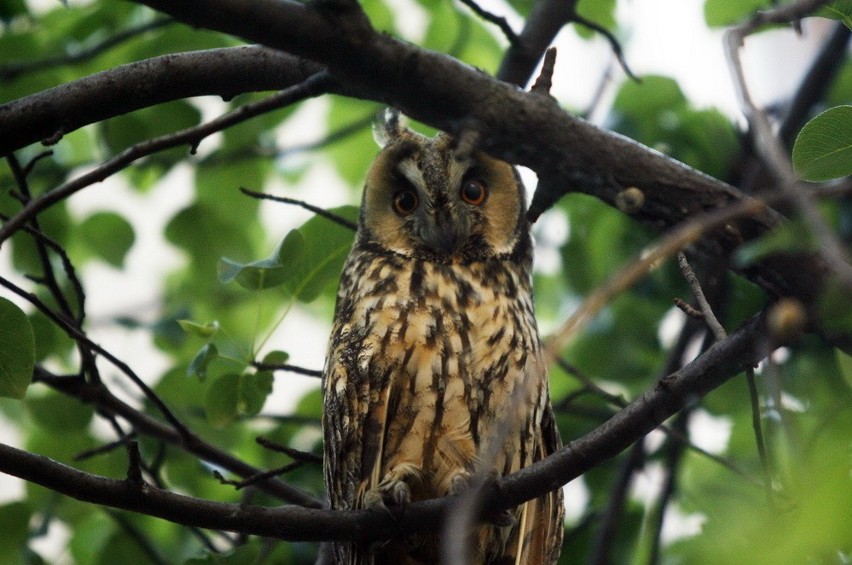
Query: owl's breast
<point>444,349</point>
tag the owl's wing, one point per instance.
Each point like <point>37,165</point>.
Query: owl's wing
<point>355,402</point>
<point>537,537</point>
<point>544,524</point>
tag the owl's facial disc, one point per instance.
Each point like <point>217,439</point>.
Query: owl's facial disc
<point>421,201</point>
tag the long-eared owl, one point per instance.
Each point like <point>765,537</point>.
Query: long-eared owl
<point>434,371</point>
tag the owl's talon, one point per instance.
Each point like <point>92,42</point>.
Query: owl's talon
<point>459,483</point>
<point>502,519</point>
<point>395,488</point>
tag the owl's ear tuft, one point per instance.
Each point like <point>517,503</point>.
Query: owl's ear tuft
<point>388,126</point>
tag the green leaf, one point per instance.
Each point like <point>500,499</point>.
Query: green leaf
<point>232,395</point>
<point>276,358</point>
<point>789,236</point>
<point>206,331</point>
<point>655,94</point>
<point>840,10</point>
<point>11,8</point>
<point>17,350</point>
<point>14,523</point>
<point>222,400</point>
<point>844,361</point>
<point>90,537</point>
<point>720,13</point>
<point>254,388</point>
<point>313,259</point>
<point>601,12</point>
<point>121,132</point>
<point>351,154</point>
<point>823,149</point>
<point>257,275</point>
<point>206,235</point>
<point>834,309</point>
<point>198,365</point>
<point>60,413</point>
<point>108,236</point>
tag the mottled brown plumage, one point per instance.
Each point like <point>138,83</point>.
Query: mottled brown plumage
<point>434,371</point>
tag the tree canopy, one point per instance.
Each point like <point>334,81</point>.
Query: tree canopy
<point>695,301</point>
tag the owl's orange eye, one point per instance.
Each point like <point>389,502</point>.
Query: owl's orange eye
<point>473,191</point>
<point>405,202</point>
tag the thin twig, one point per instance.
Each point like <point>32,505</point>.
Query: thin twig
<point>613,513</point>
<point>259,477</point>
<point>106,448</point>
<point>706,310</point>
<point>499,21</point>
<point>678,238</point>
<point>107,403</point>
<point>688,309</point>
<point>758,436</point>
<point>41,247</point>
<point>301,203</point>
<point>296,454</point>
<point>767,143</point>
<point>544,82</point>
<point>134,463</point>
<point>673,457</point>
<point>286,367</point>
<point>613,42</point>
<point>314,85</point>
<point>619,402</point>
<point>14,70</point>
<point>81,338</point>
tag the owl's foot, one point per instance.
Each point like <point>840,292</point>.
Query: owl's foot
<point>462,481</point>
<point>395,487</point>
<point>459,483</point>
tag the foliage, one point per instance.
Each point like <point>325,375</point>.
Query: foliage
<point>233,275</point>
<point>823,149</point>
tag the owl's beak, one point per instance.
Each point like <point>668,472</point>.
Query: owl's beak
<point>442,235</point>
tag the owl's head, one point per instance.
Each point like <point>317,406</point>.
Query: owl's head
<point>423,199</point>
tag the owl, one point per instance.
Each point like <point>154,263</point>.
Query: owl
<point>434,373</point>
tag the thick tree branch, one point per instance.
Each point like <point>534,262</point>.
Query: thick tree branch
<point>48,115</point>
<point>573,155</point>
<point>192,136</point>
<point>721,362</point>
<point>544,22</point>
<point>568,153</point>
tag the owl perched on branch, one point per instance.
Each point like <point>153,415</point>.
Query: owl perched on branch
<point>434,372</point>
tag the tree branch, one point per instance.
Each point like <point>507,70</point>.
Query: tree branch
<point>722,361</point>
<point>14,70</point>
<point>192,136</point>
<point>104,400</point>
<point>573,155</point>
<point>568,153</point>
<point>544,22</point>
<point>50,114</point>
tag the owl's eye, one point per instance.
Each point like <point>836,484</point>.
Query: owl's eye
<point>405,202</point>
<point>473,191</point>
